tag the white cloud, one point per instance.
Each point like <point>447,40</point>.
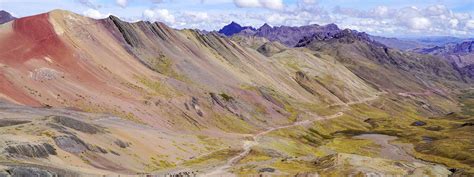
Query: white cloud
<point>381,11</point>
<point>269,4</point>
<point>92,13</point>
<point>122,3</point>
<point>454,23</point>
<point>432,20</point>
<point>470,24</point>
<point>419,23</point>
<point>162,15</point>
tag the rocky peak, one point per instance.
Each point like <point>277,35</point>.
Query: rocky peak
<point>331,26</point>
<point>5,17</point>
<point>265,27</point>
<point>234,28</point>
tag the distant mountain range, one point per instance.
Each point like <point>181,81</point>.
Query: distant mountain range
<point>290,36</point>
<point>460,54</point>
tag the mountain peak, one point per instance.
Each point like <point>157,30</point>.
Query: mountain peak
<point>264,27</point>
<point>234,28</point>
<point>234,23</point>
<point>5,17</point>
<point>331,26</point>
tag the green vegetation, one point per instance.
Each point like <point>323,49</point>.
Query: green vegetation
<point>210,144</point>
<point>164,65</point>
<point>215,157</point>
<point>158,164</point>
<point>294,166</point>
<point>352,146</point>
<point>255,155</point>
<point>445,140</point>
<point>157,87</point>
<point>232,124</point>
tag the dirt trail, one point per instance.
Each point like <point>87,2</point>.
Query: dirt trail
<point>247,146</point>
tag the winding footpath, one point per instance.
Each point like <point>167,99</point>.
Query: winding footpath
<point>247,146</point>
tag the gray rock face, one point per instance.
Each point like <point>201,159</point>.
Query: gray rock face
<point>31,150</point>
<point>71,144</point>
<point>76,124</point>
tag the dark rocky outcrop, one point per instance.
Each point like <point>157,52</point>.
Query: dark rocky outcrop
<point>76,124</point>
<point>122,144</point>
<point>30,171</point>
<point>267,170</point>
<point>34,170</point>
<point>71,144</point>
<point>31,150</point>
<point>126,30</point>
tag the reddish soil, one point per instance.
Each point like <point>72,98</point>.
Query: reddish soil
<point>7,88</point>
<point>33,37</point>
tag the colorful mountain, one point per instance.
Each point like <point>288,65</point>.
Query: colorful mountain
<point>86,97</point>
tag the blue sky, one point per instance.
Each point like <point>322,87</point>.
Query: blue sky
<point>379,17</point>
